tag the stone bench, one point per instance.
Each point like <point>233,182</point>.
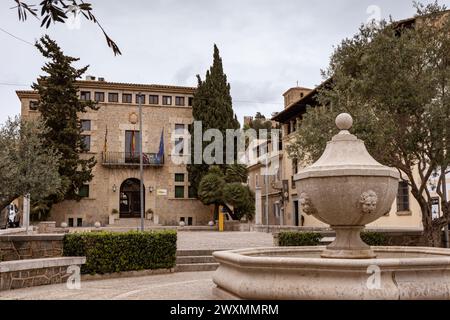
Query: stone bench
<point>35,272</point>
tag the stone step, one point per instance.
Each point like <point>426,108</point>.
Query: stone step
<point>195,252</point>
<point>195,259</point>
<point>198,252</point>
<point>196,267</point>
<point>131,222</point>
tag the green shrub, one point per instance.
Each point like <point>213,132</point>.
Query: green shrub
<point>374,238</point>
<point>298,239</point>
<point>108,252</point>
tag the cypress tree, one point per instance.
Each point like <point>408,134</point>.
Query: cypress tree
<point>212,105</point>
<point>59,106</point>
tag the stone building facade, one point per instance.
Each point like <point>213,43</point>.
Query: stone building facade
<point>112,137</point>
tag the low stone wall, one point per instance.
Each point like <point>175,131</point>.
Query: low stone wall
<point>36,272</point>
<point>20,247</point>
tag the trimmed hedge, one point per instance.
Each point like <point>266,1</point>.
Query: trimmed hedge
<point>374,238</point>
<point>298,239</point>
<point>108,252</point>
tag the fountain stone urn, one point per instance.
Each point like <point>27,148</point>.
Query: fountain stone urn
<point>347,189</point>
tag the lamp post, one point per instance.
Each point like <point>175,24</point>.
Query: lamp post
<point>141,166</point>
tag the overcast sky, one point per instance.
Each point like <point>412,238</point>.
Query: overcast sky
<point>266,45</point>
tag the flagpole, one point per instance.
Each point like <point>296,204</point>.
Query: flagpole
<point>141,167</point>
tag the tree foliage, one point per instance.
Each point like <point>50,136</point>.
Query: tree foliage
<point>227,190</point>
<point>212,105</point>
<point>52,11</point>
<point>59,107</point>
<point>395,82</point>
<point>27,164</point>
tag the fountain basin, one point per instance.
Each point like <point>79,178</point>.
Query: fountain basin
<point>300,273</point>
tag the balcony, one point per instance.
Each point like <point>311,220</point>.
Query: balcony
<point>128,159</point>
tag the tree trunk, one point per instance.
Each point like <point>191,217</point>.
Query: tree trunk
<point>433,235</point>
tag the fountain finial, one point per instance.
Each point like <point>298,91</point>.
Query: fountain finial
<point>344,121</point>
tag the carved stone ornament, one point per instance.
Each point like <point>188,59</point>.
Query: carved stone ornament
<point>133,118</point>
<point>307,205</point>
<point>368,202</point>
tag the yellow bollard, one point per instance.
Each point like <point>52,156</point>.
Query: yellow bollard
<point>221,220</point>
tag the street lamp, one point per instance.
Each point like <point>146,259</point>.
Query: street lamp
<point>114,188</point>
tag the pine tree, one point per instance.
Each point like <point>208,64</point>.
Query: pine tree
<point>212,105</point>
<point>59,106</point>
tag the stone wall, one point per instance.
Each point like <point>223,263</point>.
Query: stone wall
<point>36,272</point>
<point>32,278</point>
<point>20,247</point>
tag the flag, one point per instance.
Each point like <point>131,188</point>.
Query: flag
<point>160,155</point>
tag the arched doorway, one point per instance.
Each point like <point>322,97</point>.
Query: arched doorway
<point>130,199</point>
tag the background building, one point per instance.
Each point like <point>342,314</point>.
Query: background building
<point>112,136</point>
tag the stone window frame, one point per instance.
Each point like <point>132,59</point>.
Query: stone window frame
<point>99,96</point>
<point>89,127</point>
<point>180,101</point>
<point>33,105</point>
<point>153,99</point>
<point>113,94</point>
<point>403,207</point>
<point>85,95</point>
<point>167,100</point>
<point>128,95</point>
<point>177,187</point>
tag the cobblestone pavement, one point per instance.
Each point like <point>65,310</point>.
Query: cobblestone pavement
<point>173,286</point>
<point>223,240</point>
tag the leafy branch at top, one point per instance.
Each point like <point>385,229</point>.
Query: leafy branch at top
<point>56,11</point>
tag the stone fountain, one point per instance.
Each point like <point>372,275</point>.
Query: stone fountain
<point>347,189</point>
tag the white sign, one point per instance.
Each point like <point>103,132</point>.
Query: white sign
<point>161,192</point>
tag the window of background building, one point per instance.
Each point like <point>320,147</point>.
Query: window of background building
<point>79,222</point>
<point>70,222</point>
<point>179,101</point>
<point>153,99</point>
<point>179,192</point>
<point>191,193</point>
<point>33,105</point>
<point>403,196</point>
<point>84,191</point>
<point>189,223</point>
<point>126,98</point>
<point>99,96</point>
<point>86,142</point>
<point>179,129</point>
<point>141,97</point>
<point>86,125</point>
<point>190,101</point>
<point>295,171</point>
<point>179,177</point>
<point>179,146</point>
<point>167,100</point>
<point>113,97</point>
<point>85,95</point>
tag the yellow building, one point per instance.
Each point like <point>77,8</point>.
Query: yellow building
<point>112,135</point>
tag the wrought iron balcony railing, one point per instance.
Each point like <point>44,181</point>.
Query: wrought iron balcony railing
<point>131,159</point>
